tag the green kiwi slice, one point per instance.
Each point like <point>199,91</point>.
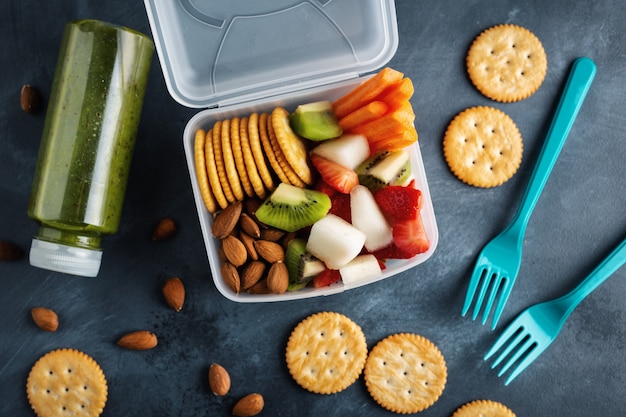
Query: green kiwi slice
<point>302,266</point>
<point>315,121</point>
<point>385,168</point>
<point>291,208</point>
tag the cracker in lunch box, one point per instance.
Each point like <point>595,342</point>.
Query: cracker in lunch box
<point>405,373</point>
<point>292,146</point>
<point>201,171</point>
<point>483,408</point>
<point>267,147</point>
<point>218,153</point>
<point>483,146</point>
<point>229,161</point>
<point>248,158</point>
<point>291,175</point>
<point>66,382</point>
<point>212,173</point>
<point>326,352</point>
<point>240,165</point>
<point>507,63</point>
<point>257,151</point>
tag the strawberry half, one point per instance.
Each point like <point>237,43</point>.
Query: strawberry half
<point>326,277</point>
<point>335,175</point>
<point>340,206</point>
<point>410,236</point>
<point>399,203</point>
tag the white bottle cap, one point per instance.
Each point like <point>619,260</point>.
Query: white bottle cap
<point>64,258</point>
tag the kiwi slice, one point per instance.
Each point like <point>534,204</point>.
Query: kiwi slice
<point>302,266</point>
<point>315,121</point>
<point>291,208</point>
<point>385,168</point>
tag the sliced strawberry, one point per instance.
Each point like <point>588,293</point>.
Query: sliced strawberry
<point>335,175</point>
<point>340,206</point>
<point>321,185</point>
<point>391,252</point>
<point>399,203</point>
<point>410,236</point>
<point>326,277</point>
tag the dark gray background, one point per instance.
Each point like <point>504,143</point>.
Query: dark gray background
<point>578,220</point>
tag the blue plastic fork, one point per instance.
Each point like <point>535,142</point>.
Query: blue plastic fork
<point>499,262</point>
<point>537,326</point>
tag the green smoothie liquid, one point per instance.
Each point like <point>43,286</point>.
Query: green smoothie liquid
<point>89,133</point>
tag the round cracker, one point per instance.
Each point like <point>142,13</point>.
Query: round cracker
<point>235,142</point>
<point>267,147</point>
<point>257,151</point>
<point>483,146</point>
<point>214,180</point>
<point>292,145</point>
<point>201,171</point>
<point>219,160</point>
<point>232,175</point>
<point>507,63</point>
<point>66,382</point>
<point>405,373</point>
<point>326,352</point>
<point>483,408</point>
<point>293,178</point>
<point>248,158</point>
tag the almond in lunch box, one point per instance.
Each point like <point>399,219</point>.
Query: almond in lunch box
<point>231,276</point>
<point>278,278</point>
<point>252,273</point>
<point>226,220</point>
<point>270,251</point>
<point>234,250</point>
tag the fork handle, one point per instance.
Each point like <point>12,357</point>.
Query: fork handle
<point>578,82</point>
<point>615,260</point>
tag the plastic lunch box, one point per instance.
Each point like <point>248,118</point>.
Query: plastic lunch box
<point>238,57</point>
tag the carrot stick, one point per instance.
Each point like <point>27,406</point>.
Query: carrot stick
<point>397,94</point>
<point>365,114</point>
<point>366,92</point>
<point>396,142</point>
<point>392,123</point>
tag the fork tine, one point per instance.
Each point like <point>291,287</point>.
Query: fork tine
<point>471,291</point>
<point>511,338</point>
<point>525,346</point>
<point>497,283</point>
<point>486,279</point>
<point>505,291</point>
<point>530,358</point>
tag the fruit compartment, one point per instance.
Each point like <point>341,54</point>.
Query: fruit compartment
<point>205,119</point>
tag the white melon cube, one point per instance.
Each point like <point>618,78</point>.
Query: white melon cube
<point>347,150</point>
<point>360,268</point>
<point>369,218</point>
<point>334,241</point>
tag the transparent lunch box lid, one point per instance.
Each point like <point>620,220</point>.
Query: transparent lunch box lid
<point>218,53</point>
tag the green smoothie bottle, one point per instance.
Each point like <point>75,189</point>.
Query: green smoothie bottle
<point>87,144</point>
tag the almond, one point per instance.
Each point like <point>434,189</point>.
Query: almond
<point>226,220</point>
<point>248,406</point>
<point>249,225</point>
<point>174,293</point>
<point>231,277</point>
<point>45,318</point>
<point>9,251</point>
<point>234,250</point>
<point>259,288</point>
<point>278,278</point>
<point>138,340</point>
<point>272,234</point>
<point>30,100</point>
<point>219,380</point>
<point>164,229</point>
<point>270,251</point>
<point>248,242</point>
<point>252,273</point>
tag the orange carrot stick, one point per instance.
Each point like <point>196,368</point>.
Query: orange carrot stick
<point>365,114</point>
<point>397,94</point>
<point>392,123</point>
<point>366,92</point>
<point>396,142</point>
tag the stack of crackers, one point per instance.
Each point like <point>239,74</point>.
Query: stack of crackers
<point>245,157</point>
